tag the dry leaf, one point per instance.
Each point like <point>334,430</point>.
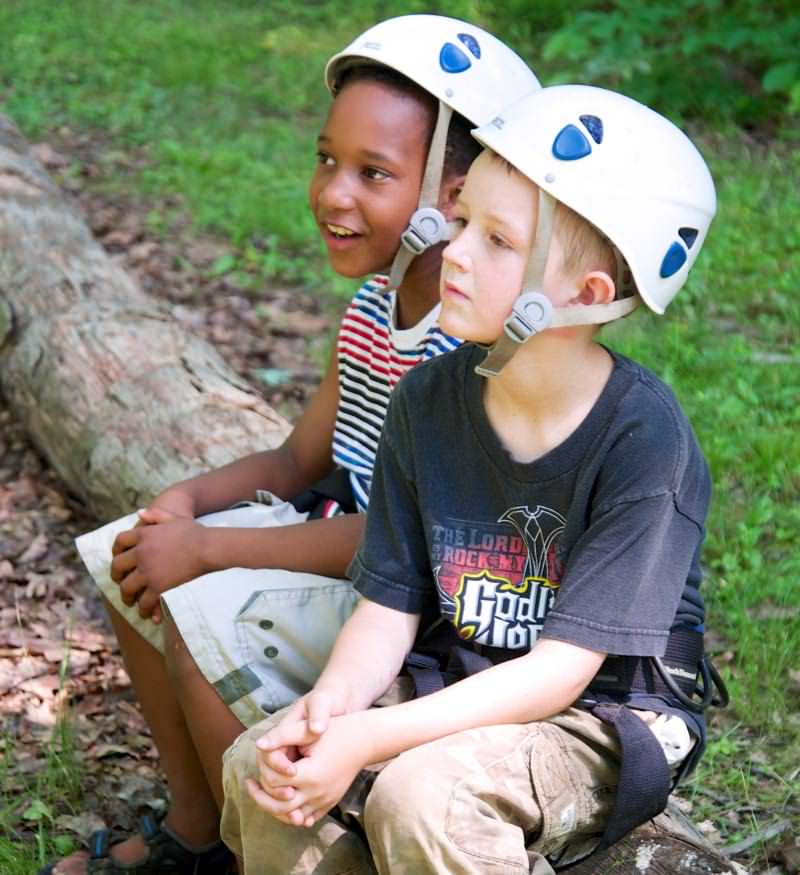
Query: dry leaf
<point>36,550</point>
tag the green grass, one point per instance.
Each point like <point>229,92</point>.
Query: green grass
<point>35,801</point>
<point>224,99</point>
<point>222,102</point>
<point>730,348</point>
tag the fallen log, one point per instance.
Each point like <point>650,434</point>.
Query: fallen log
<point>118,397</point>
<point>667,845</point>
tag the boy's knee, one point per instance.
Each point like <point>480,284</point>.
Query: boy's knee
<point>239,760</point>
<point>238,764</point>
<point>177,657</point>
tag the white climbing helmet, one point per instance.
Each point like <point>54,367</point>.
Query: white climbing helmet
<point>467,69</point>
<point>626,169</point>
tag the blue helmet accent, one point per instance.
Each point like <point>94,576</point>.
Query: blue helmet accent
<point>452,59</point>
<point>471,43</point>
<point>673,260</point>
<point>594,125</point>
<point>688,235</point>
<point>571,144</point>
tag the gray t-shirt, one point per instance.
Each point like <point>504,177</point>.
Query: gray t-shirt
<point>597,543</point>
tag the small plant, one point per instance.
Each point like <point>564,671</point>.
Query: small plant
<point>29,803</point>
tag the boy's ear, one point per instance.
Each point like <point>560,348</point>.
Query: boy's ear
<point>596,287</point>
<point>449,191</point>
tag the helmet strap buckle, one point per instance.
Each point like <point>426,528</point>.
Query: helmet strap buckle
<point>532,312</point>
<point>427,225</point>
<point>426,228</point>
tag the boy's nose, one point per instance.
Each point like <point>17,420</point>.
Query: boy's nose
<point>455,253</point>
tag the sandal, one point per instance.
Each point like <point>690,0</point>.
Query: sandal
<point>166,855</point>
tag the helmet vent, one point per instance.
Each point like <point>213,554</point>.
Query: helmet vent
<point>452,59</point>
<point>688,235</point>
<point>471,43</point>
<point>571,144</point>
<point>673,261</point>
<point>594,125</point>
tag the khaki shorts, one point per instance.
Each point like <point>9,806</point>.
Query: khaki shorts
<point>497,800</point>
<point>260,636</point>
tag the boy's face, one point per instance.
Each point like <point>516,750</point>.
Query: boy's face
<point>483,267</point>
<point>366,184</point>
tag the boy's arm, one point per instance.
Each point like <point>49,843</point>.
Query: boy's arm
<point>155,558</point>
<point>149,560</point>
<point>538,685</point>
<point>368,655</point>
<point>299,790</point>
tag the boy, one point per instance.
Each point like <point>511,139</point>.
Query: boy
<point>551,514</point>
<point>252,636</point>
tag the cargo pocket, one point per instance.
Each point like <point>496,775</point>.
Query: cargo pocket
<point>286,633</point>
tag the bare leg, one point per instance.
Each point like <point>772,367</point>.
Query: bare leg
<point>212,725</point>
<point>193,813</point>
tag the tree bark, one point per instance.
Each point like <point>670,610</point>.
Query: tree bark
<point>119,398</point>
<point>667,845</point>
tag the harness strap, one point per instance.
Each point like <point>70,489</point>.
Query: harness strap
<point>681,662</point>
<point>429,677</point>
<point>335,487</point>
<point>425,672</point>
<point>645,780</point>
<point>644,776</point>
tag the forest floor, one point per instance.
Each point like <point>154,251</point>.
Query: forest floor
<point>57,654</point>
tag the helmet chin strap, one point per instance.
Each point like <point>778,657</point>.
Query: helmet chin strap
<point>427,226</point>
<point>533,311</point>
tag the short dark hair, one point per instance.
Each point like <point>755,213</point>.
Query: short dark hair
<point>461,149</point>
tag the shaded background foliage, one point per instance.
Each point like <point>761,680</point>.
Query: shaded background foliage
<point>713,60</point>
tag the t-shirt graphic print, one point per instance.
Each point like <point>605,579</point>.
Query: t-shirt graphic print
<point>497,582</point>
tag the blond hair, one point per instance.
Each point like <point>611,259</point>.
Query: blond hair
<point>583,246</point>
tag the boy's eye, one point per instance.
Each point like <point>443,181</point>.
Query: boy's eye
<point>500,242</point>
<point>325,159</point>
<point>374,174</point>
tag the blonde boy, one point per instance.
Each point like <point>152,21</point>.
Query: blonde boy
<point>549,512</point>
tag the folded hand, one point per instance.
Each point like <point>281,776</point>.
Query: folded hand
<point>152,558</point>
<point>307,774</point>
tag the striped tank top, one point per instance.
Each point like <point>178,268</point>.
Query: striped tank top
<point>372,355</point>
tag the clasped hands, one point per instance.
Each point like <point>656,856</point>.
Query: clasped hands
<point>160,552</point>
<point>309,759</point>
